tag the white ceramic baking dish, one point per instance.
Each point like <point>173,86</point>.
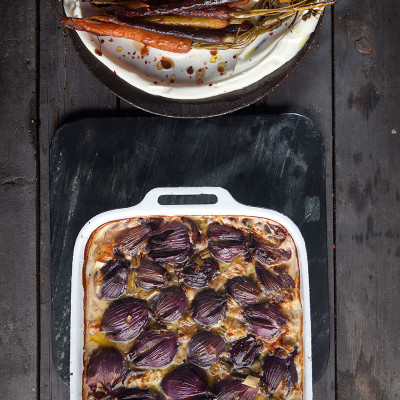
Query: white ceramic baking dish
<point>150,206</point>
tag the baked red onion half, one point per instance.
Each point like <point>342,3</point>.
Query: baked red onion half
<point>265,320</point>
<point>205,348</point>
<point>154,349</point>
<point>273,281</point>
<point>197,276</point>
<point>134,240</point>
<point>105,369</point>
<point>208,307</point>
<point>171,243</point>
<point>233,388</point>
<point>151,275</point>
<point>245,351</point>
<point>268,255</point>
<point>125,319</point>
<point>244,290</point>
<point>186,382</point>
<point>225,242</point>
<point>169,304</point>
<point>276,368</point>
<point>275,234</point>
<point>114,278</point>
<point>123,393</point>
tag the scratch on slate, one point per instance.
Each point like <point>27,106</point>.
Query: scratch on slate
<point>288,150</point>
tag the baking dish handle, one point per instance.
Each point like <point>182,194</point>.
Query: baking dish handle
<point>222,196</point>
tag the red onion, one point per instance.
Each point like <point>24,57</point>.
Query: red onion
<point>125,319</point>
<point>208,307</point>
<point>205,348</point>
<point>169,305</point>
<point>244,290</point>
<point>151,275</point>
<point>154,349</point>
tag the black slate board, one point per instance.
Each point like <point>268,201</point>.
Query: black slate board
<point>267,161</point>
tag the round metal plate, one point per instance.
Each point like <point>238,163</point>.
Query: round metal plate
<point>201,108</point>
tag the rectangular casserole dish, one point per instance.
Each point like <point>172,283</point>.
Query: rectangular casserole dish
<point>225,206</point>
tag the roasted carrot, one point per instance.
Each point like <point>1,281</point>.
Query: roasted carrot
<point>209,36</point>
<point>153,39</point>
<point>193,22</point>
<point>240,3</point>
<point>173,8</point>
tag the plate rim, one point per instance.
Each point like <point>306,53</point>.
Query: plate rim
<point>190,108</point>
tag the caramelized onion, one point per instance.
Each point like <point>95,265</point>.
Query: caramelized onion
<point>276,368</point>
<point>225,242</point>
<point>133,240</point>
<point>208,307</point>
<point>232,388</point>
<point>243,289</point>
<point>268,255</point>
<point>198,276</point>
<point>104,368</point>
<point>154,349</point>
<point>266,320</point>
<point>171,243</point>
<point>273,281</point>
<point>186,382</point>
<point>245,351</point>
<point>205,348</point>
<point>169,305</point>
<point>125,319</point>
<point>151,275</point>
<point>114,279</point>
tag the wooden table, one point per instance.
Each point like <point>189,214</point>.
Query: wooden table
<point>349,84</point>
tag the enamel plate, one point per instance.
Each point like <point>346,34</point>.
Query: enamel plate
<point>194,76</point>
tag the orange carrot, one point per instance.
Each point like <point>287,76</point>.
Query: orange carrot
<point>100,28</point>
<point>240,3</point>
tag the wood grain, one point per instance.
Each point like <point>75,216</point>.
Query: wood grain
<point>67,91</point>
<point>367,199</point>
<point>18,306</point>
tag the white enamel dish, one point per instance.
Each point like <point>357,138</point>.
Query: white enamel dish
<point>150,206</point>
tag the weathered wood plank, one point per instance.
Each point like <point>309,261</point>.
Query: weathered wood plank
<point>308,91</point>
<point>67,91</point>
<point>368,199</point>
<point>18,299</point>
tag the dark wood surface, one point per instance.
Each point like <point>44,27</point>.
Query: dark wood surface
<point>348,84</point>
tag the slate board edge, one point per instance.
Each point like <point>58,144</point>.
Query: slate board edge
<point>308,122</point>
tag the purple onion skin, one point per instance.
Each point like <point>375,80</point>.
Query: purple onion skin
<point>169,304</point>
<point>276,368</point>
<point>267,321</point>
<point>151,275</point>
<point>123,393</point>
<point>154,349</point>
<point>106,368</point>
<point>125,319</point>
<point>225,242</point>
<point>231,388</point>
<point>275,234</point>
<point>134,240</point>
<point>114,279</point>
<point>245,351</point>
<point>186,382</point>
<point>244,290</point>
<point>267,255</point>
<point>171,244</point>
<point>205,348</point>
<point>271,281</point>
<point>208,307</point>
<point>198,276</point>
